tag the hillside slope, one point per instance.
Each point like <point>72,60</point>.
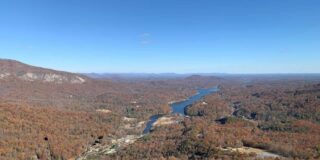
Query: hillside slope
<point>15,69</point>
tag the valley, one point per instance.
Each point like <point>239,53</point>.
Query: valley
<point>45,116</point>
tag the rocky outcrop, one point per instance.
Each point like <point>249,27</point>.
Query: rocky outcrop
<point>51,77</point>
<point>165,121</point>
<point>258,152</point>
<point>103,111</point>
<point>97,149</point>
<point>4,75</point>
<point>14,69</point>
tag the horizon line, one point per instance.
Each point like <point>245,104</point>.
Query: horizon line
<point>198,73</point>
<point>176,73</point>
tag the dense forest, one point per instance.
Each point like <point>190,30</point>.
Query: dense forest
<point>280,116</point>
<point>266,117</point>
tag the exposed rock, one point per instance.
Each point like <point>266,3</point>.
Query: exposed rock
<point>133,102</point>
<point>164,121</point>
<point>4,75</point>
<point>77,79</point>
<point>103,110</point>
<point>204,103</point>
<point>99,149</point>
<point>134,126</point>
<point>14,69</point>
<point>51,77</point>
<point>140,124</point>
<point>129,119</point>
<point>247,150</point>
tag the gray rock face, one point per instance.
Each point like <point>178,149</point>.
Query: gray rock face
<point>52,77</point>
<point>4,75</point>
<point>14,69</point>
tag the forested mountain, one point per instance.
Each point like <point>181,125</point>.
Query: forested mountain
<point>47,114</point>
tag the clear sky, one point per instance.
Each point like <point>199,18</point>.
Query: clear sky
<point>217,36</point>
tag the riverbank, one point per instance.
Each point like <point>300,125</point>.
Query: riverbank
<point>178,108</point>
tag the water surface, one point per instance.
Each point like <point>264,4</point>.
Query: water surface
<point>179,107</point>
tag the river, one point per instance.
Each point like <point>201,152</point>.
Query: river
<point>179,107</point>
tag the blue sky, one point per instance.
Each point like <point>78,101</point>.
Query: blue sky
<point>182,36</point>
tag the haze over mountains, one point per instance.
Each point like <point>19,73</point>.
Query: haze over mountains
<point>14,69</point>
<point>150,76</point>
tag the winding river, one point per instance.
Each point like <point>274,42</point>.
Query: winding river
<point>179,107</point>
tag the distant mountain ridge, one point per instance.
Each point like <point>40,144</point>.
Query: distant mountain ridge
<point>147,75</point>
<point>14,69</point>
